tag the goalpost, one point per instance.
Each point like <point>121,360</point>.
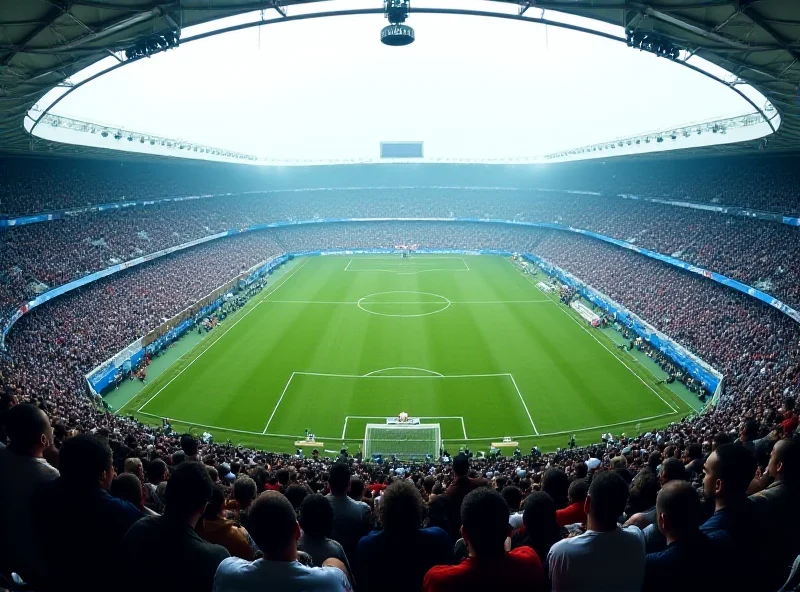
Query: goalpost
<point>402,439</point>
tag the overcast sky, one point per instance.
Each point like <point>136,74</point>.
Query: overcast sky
<point>468,87</point>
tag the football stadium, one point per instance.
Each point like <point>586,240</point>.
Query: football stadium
<point>417,295</point>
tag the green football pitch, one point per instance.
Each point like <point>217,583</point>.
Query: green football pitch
<point>469,343</point>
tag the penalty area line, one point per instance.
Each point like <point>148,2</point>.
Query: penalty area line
<point>533,425</point>
<point>286,388</point>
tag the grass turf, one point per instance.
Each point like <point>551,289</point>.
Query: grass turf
<point>466,342</point>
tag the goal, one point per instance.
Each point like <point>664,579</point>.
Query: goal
<point>403,440</point>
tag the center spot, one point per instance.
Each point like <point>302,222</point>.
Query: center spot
<point>404,303</point>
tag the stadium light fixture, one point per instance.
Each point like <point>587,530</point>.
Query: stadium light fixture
<point>396,33</point>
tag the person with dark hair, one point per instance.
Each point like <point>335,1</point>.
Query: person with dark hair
<point>215,528</point>
<point>641,507</point>
<point>157,472</point>
<point>459,488</point>
<point>694,461</point>
<point>485,528</point>
<point>128,487</point>
<point>513,497</point>
<point>402,541</point>
<point>555,483</point>
<point>316,522</point>
<point>689,563</point>
<point>164,553</point>
<point>734,527</point>
<point>789,418</point>
<point>672,469</point>
<point>606,556</point>
<point>748,434</point>
<point>275,530</point>
<point>189,447</point>
<point>776,507</point>
<point>574,512</point>
<point>351,519</point>
<point>296,493</point>
<point>244,492</point>
<point>540,527</point>
<point>23,470</point>
<point>78,505</point>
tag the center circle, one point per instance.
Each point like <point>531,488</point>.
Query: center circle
<point>403,303</point>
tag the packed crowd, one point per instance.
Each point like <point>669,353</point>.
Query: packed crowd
<point>38,257</point>
<point>121,509</point>
<point>33,185</point>
<point>246,519</point>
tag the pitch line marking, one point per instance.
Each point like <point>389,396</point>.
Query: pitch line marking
<point>403,368</point>
<point>576,430</point>
<point>355,302</point>
<point>431,376</point>
<point>213,343</point>
<point>422,314</point>
<point>285,388</point>
<point>620,360</point>
<point>496,438</point>
<point>405,265</point>
<point>533,425</point>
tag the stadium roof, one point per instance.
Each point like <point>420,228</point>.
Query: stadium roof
<point>44,42</point>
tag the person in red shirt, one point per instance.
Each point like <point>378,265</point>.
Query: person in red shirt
<point>485,528</point>
<point>574,512</point>
<point>790,420</point>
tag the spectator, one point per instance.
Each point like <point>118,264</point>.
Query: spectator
<point>734,526</point>
<point>671,470</point>
<point>776,507</point>
<point>485,528</point>
<point>748,434</point>
<point>296,493</point>
<point>164,553</point>
<point>555,483</point>
<point>351,519</point>
<point>157,473</point>
<point>127,487</point>
<point>642,499</point>
<point>316,522</point>
<point>606,556</point>
<point>276,532</point>
<point>574,513</point>
<point>244,493</point>
<point>790,419</point>
<point>78,505</point>
<point>689,562</point>
<point>460,487</point>
<point>401,542</point>
<point>513,497</point>
<point>22,471</point>
<point>135,467</point>
<point>215,528</point>
<point>540,530</point>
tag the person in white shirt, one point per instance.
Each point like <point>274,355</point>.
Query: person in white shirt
<point>22,470</point>
<point>606,556</point>
<point>274,528</point>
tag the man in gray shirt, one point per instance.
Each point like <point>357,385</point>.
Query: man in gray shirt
<point>22,470</point>
<point>351,519</point>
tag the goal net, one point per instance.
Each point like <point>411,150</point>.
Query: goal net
<point>402,440</point>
